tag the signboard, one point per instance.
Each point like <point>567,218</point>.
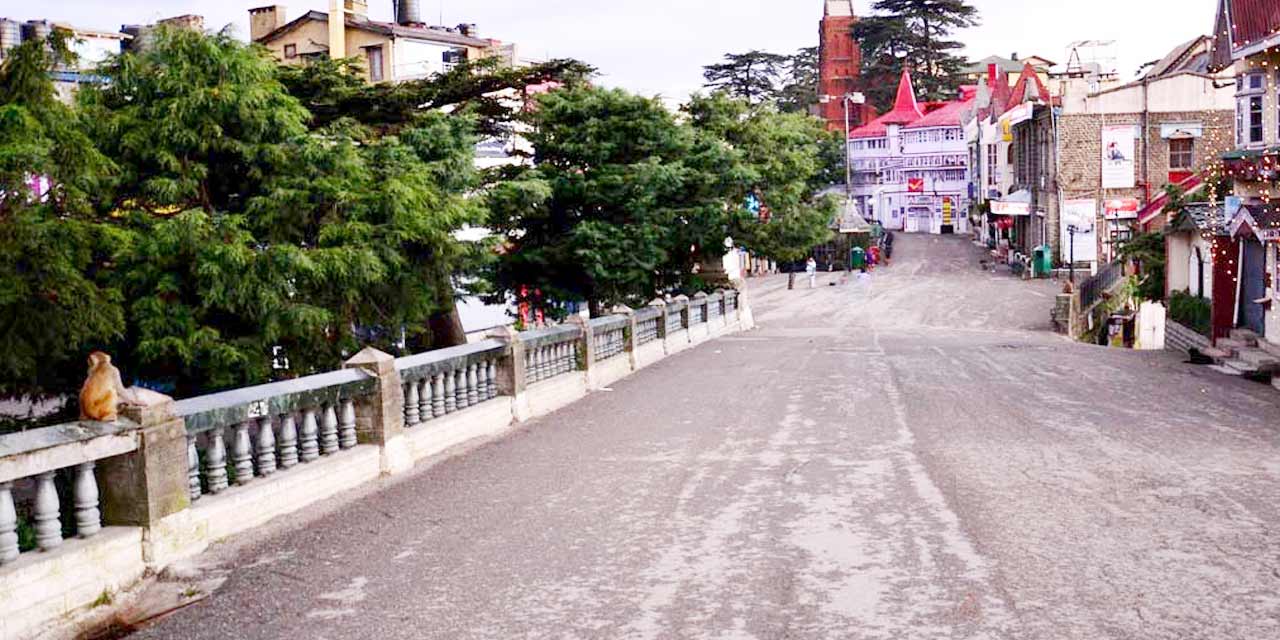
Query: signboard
<point>946,211</point>
<point>1117,157</point>
<point>1120,208</point>
<point>915,185</point>
<point>1079,230</point>
<point>1020,113</point>
<point>1003,208</point>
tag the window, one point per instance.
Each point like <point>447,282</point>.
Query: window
<point>375,63</point>
<point>993,158</point>
<point>1249,109</point>
<point>1181,154</point>
<point>290,51</point>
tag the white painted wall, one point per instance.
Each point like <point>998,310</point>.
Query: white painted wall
<point>416,59</point>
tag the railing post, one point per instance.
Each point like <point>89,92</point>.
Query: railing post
<point>586,348</point>
<point>630,337</point>
<point>746,321</point>
<point>661,306</point>
<point>143,487</point>
<point>510,373</point>
<point>380,421</point>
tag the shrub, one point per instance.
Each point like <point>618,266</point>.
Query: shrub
<point>1193,312</point>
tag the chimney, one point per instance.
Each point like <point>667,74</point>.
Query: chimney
<point>264,20</point>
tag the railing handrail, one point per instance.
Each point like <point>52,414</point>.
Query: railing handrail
<point>608,323</point>
<point>203,413</point>
<point>429,363</point>
<point>1091,289</point>
<point>648,313</point>
<point>64,445</point>
<point>550,335</point>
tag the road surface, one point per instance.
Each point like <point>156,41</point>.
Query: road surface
<point>910,457</point>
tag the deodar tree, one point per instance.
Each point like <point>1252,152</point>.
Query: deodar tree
<point>914,34</point>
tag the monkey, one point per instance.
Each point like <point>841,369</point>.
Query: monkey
<point>103,391</point>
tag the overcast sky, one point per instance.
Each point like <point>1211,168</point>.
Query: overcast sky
<point>658,47</point>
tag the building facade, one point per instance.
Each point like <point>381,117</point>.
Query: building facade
<point>1246,42</point>
<point>910,166</point>
<point>389,51</point>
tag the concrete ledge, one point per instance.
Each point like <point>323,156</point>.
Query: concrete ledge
<point>650,353</point>
<point>481,421</point>
<point>41,588</point>
<point>699,333</point>
<point>677,341</point>
<point>551,395</point>
<point>610,371</point>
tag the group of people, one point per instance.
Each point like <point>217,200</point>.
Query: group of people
<point>879,253</point>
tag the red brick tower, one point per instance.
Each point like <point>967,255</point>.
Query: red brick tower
<point>840,64</point>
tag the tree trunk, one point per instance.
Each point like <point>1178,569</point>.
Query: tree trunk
<point>446,328</point>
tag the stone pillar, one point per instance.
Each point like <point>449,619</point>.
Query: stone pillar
<point>661,306</point>
<point>141,488</point>
<point>586,348</point>
<point>380,419</point>
<point>746,320</point>
<point>511,372</point>
<point>630,313</point>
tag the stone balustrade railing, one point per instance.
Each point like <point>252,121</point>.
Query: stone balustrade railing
<point>610,335</point>
<point>235,436</point>
<point>34,463</point>
<point>166,481</point>
<point>439,383</point>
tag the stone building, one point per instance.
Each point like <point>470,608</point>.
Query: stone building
<point>397,51</point>
<point>1245,46</point>
<point>910,165</point>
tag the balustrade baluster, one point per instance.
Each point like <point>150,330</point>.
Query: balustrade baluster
<point>461,387</point>
<point>242,454</point>
<point>482,378</point>
<point>288,441</point>
<point>85,491</point>
<point>493,379</point>
<point>46,515</point>
<point>473,385</point>
<point>437,395</point>
<point>347,425</point>
<point>557,360</point>
<point>193,469</point>
<point>450,393</point>
<point>8,525</point>
<point>424,399</point>
<point>329,431</point>
<point>310,436</point>
<point>266,447</point>
<point>215,462</point>
<point>411,400</point>
<point>535,367</point>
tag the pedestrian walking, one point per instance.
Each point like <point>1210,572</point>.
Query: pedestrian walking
<point>811,269</point>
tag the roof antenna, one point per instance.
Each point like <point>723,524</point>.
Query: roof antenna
<point>441,23</point>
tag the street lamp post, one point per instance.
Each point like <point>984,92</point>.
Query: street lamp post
<point>1071,251</point>
<point>845,100</point>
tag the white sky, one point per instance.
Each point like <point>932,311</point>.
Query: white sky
<point>658,47</point>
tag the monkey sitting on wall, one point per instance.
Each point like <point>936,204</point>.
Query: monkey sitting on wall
<point>103,393</point>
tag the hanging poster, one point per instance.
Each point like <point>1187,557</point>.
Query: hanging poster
<point>1079,221</point>
<point>1117,157</point>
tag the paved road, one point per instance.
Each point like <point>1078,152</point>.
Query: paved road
<point>909,457</point>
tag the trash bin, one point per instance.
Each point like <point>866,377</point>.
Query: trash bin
<point>857,258</point>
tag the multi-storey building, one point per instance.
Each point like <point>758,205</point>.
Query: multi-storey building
<point>910,166</point>
<point>406,49</point>
<point>1247,45</point>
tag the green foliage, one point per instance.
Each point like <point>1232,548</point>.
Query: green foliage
<point>789,82</point>
<point>915,35</point>
<point>781,160</point>
<point>1146,251</point>
<point>1193,312</point>
<point>619,205</point>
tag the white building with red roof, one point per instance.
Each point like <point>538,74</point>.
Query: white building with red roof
<point>910,166</point>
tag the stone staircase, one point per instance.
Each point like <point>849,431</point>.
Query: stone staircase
<point>1246,354</point>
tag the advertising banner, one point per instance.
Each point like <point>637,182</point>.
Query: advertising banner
<point>1117,157</point>
<point>1121,208</point>
<point>1079,230</point>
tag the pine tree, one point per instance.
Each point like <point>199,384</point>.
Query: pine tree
<point>913,34</point>
<point>752,76</point>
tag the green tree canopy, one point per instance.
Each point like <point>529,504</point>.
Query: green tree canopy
<point>915,35</point>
